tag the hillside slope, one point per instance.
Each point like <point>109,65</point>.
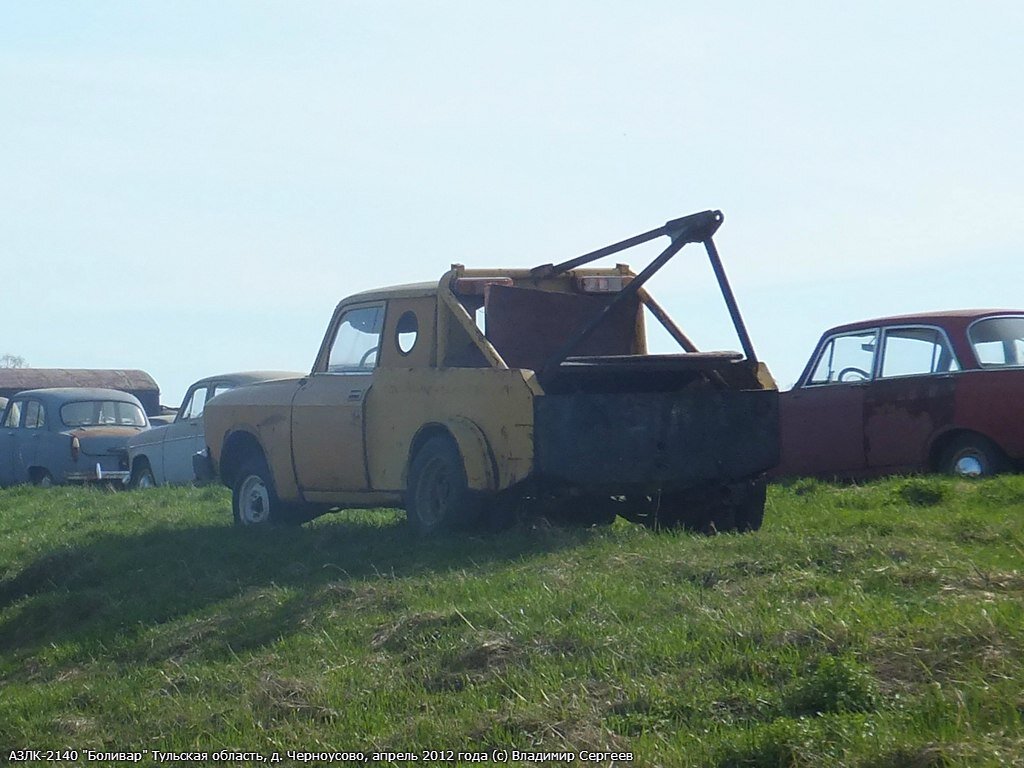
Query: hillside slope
<point>878,625</point>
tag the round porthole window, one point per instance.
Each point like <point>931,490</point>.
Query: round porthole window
<point>407,332</point>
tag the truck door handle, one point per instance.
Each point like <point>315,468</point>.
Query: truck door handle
<point>355,395</point>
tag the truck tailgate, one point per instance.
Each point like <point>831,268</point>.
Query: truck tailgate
<point>655,440</point>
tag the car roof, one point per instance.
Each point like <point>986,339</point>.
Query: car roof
<point>69,394</point>
<point>404,291</point>
<point>959,316</point>
<point>242,378</point>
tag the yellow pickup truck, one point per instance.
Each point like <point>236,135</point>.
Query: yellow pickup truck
<point>493,391</point>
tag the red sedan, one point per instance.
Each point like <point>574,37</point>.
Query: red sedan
<point>936,392</point>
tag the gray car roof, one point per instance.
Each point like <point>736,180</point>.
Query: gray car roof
<point>71,394</point>
<point>248,377</point>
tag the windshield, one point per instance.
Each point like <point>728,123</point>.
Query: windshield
<point>102,413</point>
<point>998,341</point>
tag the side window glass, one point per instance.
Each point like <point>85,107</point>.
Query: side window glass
<point>846,359</point>
<point>916,351</point>
<point>357,341</point>
<point>35,415</point>
<point>407,332</point>
<point>196,404</point>
<point>13,414</point>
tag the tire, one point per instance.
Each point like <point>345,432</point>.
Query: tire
<point>972,456</point>
<point>438,497</point>
<point>43,479</point>
<point>142,476</point>
<point>254,500</point>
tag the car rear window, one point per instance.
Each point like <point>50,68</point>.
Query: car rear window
<point>102,413</point>
<point>998,341</point>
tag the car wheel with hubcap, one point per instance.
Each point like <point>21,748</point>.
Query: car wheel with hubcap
<point>972,456</point>
<point>142,477</point>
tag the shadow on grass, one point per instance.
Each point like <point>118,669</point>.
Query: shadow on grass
<point>115,587</point>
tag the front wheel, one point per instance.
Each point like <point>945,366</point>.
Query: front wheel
<point>254,500</point>
<point>438,496</point>
<point>142,477</point>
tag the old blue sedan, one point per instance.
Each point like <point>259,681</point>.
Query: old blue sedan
<point>52,436</point>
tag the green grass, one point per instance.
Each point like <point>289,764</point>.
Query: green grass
<point>879,625</point>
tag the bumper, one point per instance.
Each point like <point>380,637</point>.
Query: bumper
<point>202,468</point>
<point>96,474</point>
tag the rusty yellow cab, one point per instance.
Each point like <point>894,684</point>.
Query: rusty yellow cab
<point>496,388</point>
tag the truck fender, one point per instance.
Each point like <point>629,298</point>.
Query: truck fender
<point>475,450</point>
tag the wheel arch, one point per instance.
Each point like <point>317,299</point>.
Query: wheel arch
<point>238,447</point>
<point>942,442</point>
<point>139,461</point>
<point>37,472</point>
<point>472,444</point>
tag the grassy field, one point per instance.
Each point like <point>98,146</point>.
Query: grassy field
<point>879,625</point>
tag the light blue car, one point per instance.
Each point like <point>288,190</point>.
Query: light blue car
<point>68,435</point>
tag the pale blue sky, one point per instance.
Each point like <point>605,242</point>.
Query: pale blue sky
<point>189,188</point>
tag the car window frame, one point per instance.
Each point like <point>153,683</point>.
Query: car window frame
<point>974,352</point>
<point>190,397</point>
<point>823,345</point>
<point>324,358</point>
<point>912,326</point>
<point>20,404</point>
<point>24,413</point>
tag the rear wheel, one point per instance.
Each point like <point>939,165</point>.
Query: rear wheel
<point>42,478</point>
<point>438,496</point>
<point>254,500</point>
<point>972,456</point>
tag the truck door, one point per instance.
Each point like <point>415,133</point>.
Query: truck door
<point>327,411</point>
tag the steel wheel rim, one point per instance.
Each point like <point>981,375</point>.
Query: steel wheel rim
<point>253,501</point>
<point>146,480</point>
<point>436,489</point>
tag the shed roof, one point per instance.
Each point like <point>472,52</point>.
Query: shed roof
<point>18,379</point>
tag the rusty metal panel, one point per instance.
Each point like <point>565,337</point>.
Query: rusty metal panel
<point>527,326</point>
<point>669,441</point>
<point>403,401</point>
<point>901,415</point>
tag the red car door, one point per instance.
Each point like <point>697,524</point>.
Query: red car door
<point>911,399</point>
<point>822,418</point>
<point>823,430</point>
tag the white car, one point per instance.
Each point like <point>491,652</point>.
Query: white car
<point>163,455</point>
